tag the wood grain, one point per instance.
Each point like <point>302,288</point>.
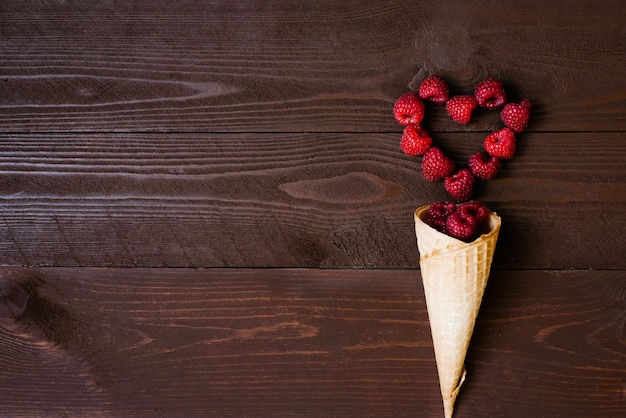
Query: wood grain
<point>250,342</point>
<point>234,139</point>
<point>330,200</point>
<point>285,66</point>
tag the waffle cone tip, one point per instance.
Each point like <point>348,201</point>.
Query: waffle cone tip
<point>448,407</point>
<point>450,399</point>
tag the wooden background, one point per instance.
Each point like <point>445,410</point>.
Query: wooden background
<point>205,211</point>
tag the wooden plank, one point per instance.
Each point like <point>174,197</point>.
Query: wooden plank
<point>222,342</point>
<point>284,66</point>
<point>294,200</point>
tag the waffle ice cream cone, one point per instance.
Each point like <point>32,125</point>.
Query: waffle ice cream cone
<point>454,275</point>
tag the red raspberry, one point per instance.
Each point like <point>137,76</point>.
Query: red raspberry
<point>460,108</point>
<point>435,165</point>
<point>460,185</point>
<point>483,165</point>
<point>475,209</point>
<point>415,140</point>
<point>490,94</point>
<point>438,214</point>
<point>440,210</point>
<point>408,109</point>
<point>501,143</point>
<point>461,226</point>
<point>516,115</point>
<point>434,89</point>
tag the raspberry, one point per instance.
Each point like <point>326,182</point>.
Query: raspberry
<point>434,89</point>
<point>438,214</point>
<point>516,115</point>
<point>440,210</point>
<point>475,209</point>
<point>490,94</point>
<point>501,143</point>
<point>415,140</point>
<point>461,226</point>
<point>460,108</point>
<point>408,109</point>
<point>435,165</point>
<point>460,185</point>
<point>483,165</point>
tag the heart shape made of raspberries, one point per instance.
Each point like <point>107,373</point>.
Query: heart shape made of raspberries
<point>409,110</point>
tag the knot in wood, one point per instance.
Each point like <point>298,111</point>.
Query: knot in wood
<point>14,299</point>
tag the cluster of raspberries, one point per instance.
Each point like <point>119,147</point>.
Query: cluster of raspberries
<point>409,111</point>
<point>464,221</point>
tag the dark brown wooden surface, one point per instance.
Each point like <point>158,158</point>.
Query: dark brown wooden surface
<point>299,66</point>
<point>329,200</point>
<point>259,342</point>
<point>247,144</point>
